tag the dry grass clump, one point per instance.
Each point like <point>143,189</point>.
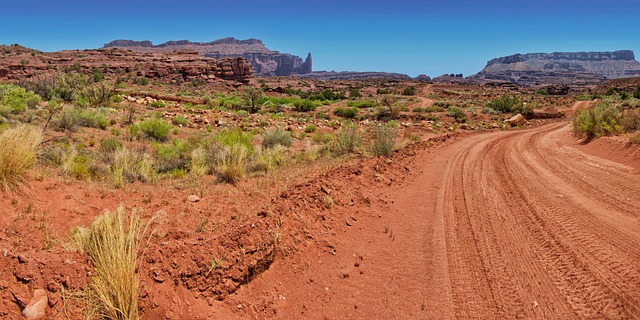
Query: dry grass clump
<point>130,165</point>
<point>269,159</point>
<point>232,163</point>
<point>112,242</point>
<point>18,148</point>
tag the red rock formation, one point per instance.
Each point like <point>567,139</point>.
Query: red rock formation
<point>185,64</point>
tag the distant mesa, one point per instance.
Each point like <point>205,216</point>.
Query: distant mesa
<point>567,68</point>
<point>265,62</point>
<point>355,75</point>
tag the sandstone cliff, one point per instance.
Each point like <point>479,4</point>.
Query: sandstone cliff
<point>264,61</point>
<point>572,68</point>
<point>18,62</point>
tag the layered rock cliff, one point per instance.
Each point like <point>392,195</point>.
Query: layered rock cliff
<point>19,62</point>
<point>573,68</point>
<point>264,61</point>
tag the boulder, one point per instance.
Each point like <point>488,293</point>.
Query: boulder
<point>516,120</point>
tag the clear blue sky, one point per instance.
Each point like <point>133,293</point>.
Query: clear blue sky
<point>412,37</point>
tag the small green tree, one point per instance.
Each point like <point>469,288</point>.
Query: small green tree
<point>251,96</point>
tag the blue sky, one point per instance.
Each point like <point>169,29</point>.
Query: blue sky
<point>412,37</point>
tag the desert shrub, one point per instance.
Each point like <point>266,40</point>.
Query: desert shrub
<point>348,139</point>
<point>275,137</point>
<point>269,159</point>
<point>180,120</point>
<point>636,93</point>
<point>18,148</point>
<point>155,128</point>
<point>490,111</point>
<point>409,91</point>
<point>636,138</point>
<point>322,138</point>
<point>310,128</point>
<point>348,113</point>
<point>131,165</point>
<point>363,104</point>
<point>171,156</point>
<point>304,105</point>
<point>72,117</point>
<point>14,99</point>
<point>112,242</point>
<point>523,108</point>
<point>596,121</point>
<point>93,118</point>
<point>505,104</point>
<point>98,74</point>
<point>629,120</point>
<point>354,93</point>
<point>233,137</point>
<point>456,113</point>
<point>441,104</point>
<point>383,140</point>
<point>109,145</point>
<point>232,163</point>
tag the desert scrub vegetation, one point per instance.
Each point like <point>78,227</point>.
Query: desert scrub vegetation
<point>18,153</point>
<point>349,113</point>
<point>347,140</point>
<point>154,128</point>
<point>609,117</point>
<point>508,104</point>
<point>112,242</point>
<point>275,137</point>
<point>15,100</point>
<point>383,140</point>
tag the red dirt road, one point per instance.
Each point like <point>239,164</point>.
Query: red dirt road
<point>501,225</point>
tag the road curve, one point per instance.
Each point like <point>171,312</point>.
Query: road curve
<point>534,229</point>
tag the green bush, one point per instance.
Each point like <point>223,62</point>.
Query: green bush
<point>172,156</point>
<point>490,111</point>
<point>456,113</point>
<point>304,105</point>
<point>348,113</point>
<point>109,145</point>
<point>361,104</point>
<point>505,104</point>
<point>155,128</point>
<point>180,120</point>
<point>348,139</point>
<point>322,137</point>
<point>275,137</point>
<point>383,140</point>
<point>409,91</point>
<point>596,121</point>
<point>14,99</point>
<point>636,93</point>
<point>232,137</point>
<point>310,128</point>
<point>93,118</point>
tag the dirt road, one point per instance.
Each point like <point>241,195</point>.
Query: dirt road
<point>502,225</point>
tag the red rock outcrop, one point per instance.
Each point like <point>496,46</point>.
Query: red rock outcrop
<point>18,62</point>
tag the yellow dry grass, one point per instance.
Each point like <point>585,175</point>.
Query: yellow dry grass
<point>18,147</point>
